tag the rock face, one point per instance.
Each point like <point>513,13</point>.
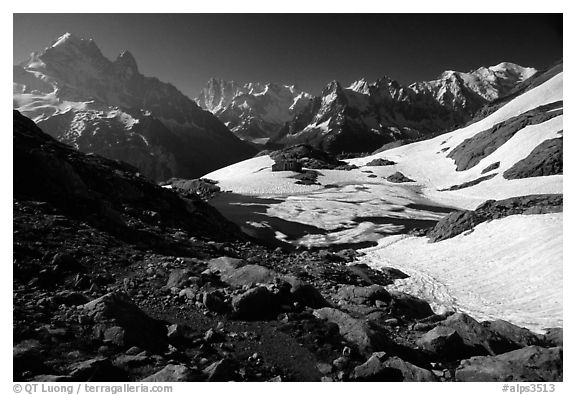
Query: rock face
<point>461,221</point>
<point>364,116</point>
<point>545,160</point>
<point>81,98</point>
<point>531,363</point>
<point>253,111</point>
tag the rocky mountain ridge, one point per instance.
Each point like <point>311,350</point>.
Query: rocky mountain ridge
<point>364,116</point>
<point>108,107</point>
<point>253,111</point>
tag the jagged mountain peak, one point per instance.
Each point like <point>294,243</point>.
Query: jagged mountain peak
<point>126,59</point>
<point>84,99</point>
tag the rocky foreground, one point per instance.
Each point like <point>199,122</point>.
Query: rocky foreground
<point>117,279</point>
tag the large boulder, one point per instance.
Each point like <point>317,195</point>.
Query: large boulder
<point>223,370</point>
<point>224,264</point>
<point>522,337</point>
<point>364,295</point>
<point>532,363</point>
<point>554,336</point>
<point>173,373</point>
<point>381,367</point>
<point>305,294</point>
<point>119,320</point>
<point>249,275</point>
<point>256,303</point>
<point>178,278</point>
<point>478,339</point>
<point>398,178</point>
<point>357,331</point>
<point>443,342</point>
<point>409,306</point>
<point>95,369</point>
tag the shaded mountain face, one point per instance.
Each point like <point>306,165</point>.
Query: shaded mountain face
<point>364,116</point>
<point>82,98</point>
<point>108,194</point>
<point>253,111</point>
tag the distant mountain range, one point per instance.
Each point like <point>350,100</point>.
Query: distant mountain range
<point>82,98</point>
<point>362,116</point>
<point>253,111</point>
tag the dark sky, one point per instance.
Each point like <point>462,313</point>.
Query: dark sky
<point>307,49</point>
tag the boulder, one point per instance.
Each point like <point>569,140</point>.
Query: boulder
<point>223,370</point>
<point>27,356</point>
<point>384,368</point>
<point>364,295</point>
<point>173,373</point>
<point>249,275</point>
<point>522,337</point>
<point>121,321</point>
<point>554,336</point>
<point>256,303</point>
<point>305,294</point>
<point>398,178</point>
<point>374,370</point>
<point>532,363</point>
<point>442,342</point>
<point>409,371</point>
<point>95,369</point>
<point>478,339</point>
<point>409,306</point>
<point>178,278</point>
<point>359,332</point>
<point>224,264</point>
<point>380,162</point>
<point>214,301</point>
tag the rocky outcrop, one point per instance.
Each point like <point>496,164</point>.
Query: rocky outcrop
<point>287,165</point>
<point>458,222</point>
<point>398,178</point>
<point>472,150</point>
<point>380,162</point>
<point>544,160</point>
<point>469,183</point>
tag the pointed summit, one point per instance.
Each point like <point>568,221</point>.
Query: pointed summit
<point>65,39</point>
<point>126,61</point>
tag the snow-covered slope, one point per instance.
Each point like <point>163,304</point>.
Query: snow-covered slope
<point>364,116</point>
<point>108,107</point>
<point>469,272</point>
<point>253,111</point>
